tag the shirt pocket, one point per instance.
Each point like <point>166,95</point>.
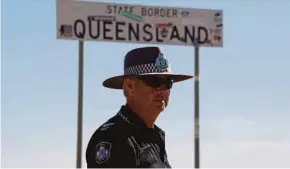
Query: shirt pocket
<point>148,157</point>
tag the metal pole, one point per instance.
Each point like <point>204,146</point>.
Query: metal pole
<point>80,105</point>
<point>196,98</point>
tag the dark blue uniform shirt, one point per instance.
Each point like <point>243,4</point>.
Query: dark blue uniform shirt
<point>124,141</point>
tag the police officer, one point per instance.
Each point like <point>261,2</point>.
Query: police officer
<point>130,139</point>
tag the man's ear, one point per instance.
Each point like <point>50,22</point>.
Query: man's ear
<point>129,86</point>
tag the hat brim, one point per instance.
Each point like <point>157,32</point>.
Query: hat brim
<point>116,82</point>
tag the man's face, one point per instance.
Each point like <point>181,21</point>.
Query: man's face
<point>152,92</point>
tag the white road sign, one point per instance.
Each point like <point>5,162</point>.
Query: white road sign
<point>95,21</point>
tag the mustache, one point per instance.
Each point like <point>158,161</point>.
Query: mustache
<point>161,95</point>
<point>159,98</point>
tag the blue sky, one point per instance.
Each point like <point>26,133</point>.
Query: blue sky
<point>244,88</point>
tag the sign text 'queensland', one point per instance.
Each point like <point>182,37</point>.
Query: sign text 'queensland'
<point>138,24</point>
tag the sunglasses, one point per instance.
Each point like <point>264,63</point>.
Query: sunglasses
<point>155,81</point>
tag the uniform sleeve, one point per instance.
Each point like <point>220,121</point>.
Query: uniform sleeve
<point>108,153</point>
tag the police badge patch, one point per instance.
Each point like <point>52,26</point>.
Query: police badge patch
<point>103,152</point>
<point>161,62</point>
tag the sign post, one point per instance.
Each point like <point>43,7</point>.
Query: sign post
<point>196,105</point>
<point>127,23</point>
<point>80,105</point>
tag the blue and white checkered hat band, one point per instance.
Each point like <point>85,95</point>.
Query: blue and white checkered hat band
<point>145,68</point>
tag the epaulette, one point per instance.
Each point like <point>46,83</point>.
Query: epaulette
<point>106,126</point>
<point>115,127</point>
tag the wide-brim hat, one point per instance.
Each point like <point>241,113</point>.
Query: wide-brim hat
<point>144,61</point>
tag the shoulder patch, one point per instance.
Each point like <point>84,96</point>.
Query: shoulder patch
<point>103,152</point>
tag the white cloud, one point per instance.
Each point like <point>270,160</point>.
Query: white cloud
<point>229,142</point>
<point>246,154</point>
<point>231,154</point>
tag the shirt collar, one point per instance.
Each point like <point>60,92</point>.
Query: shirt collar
<point>132,118</point>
